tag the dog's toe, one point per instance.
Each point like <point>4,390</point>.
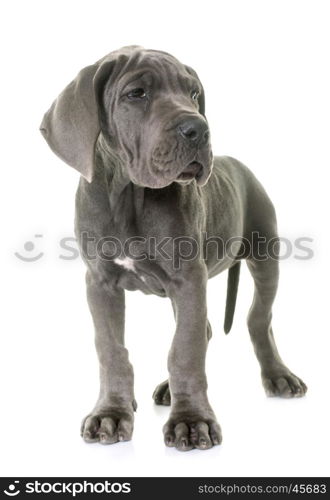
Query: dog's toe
<point>182,437</point>
<point>285,385</point>
<point>162,394</point>
<point>108,428</point>
<point>89,429</point>
<point>190,433</point>
<point>107,432</point>
<point>200,436</point>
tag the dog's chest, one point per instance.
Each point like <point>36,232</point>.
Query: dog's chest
<point>133,246</point>
<point>133,275</point>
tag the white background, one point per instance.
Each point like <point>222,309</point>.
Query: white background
<point>265,69</point>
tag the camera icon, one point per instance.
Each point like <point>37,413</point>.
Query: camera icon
<point>12,490</point>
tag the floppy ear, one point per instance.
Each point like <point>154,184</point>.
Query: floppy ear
<point>71,125</point>
<point>201,98</point>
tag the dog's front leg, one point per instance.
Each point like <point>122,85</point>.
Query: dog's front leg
<point>112,417</point>
<point>192,423</point>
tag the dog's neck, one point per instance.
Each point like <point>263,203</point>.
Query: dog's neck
<point>125,197</point>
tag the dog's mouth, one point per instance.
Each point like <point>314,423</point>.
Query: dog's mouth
<point>193,170</point>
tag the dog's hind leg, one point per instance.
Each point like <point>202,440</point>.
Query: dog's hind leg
<point>277,379</point>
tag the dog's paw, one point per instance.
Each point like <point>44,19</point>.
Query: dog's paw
<point>283,384</point>
<point>189,431</point>
<point>162,395</point>
<point>108,427</point>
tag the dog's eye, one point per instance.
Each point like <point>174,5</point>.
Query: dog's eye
<point>137,94</point>
<point>195,95</point>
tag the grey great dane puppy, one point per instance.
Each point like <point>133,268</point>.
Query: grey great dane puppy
<point>150,195</point>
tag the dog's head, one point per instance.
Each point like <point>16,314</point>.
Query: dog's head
<point>150,109</point>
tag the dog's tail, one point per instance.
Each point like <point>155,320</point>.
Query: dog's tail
<point>232,286</point>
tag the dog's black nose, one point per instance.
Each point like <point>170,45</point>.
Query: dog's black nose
<point>194,130</point>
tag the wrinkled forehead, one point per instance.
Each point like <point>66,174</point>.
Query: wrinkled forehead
<point>156,68</point>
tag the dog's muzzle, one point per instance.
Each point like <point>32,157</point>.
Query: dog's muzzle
<point>194,132</point>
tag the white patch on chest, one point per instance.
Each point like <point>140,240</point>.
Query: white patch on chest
<point>127,263</point>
